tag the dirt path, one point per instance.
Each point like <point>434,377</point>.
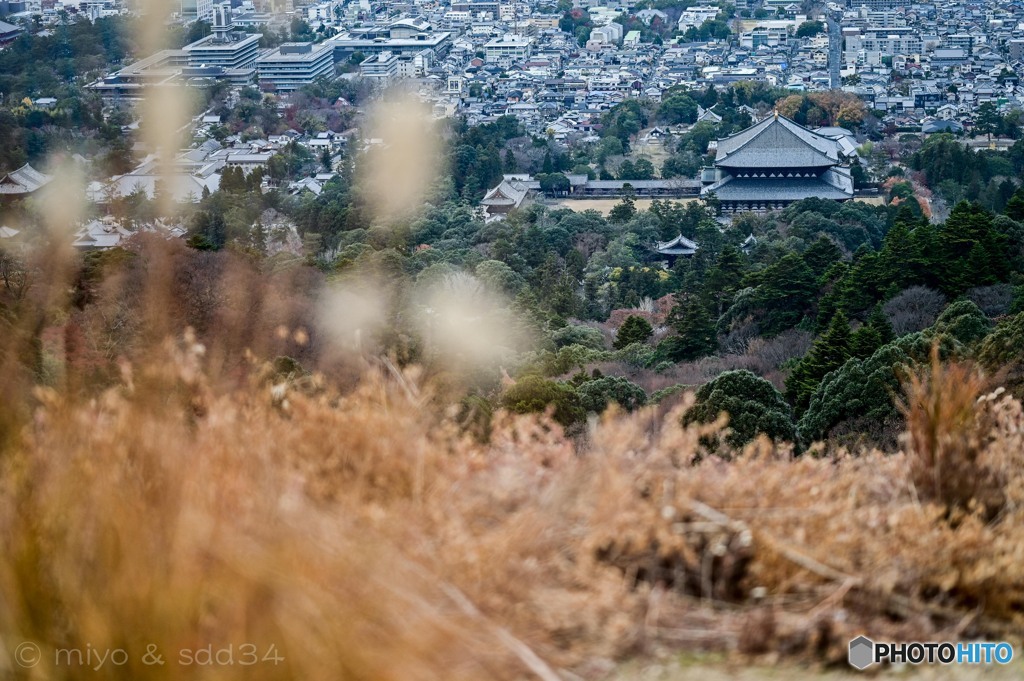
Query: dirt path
<point>653,150</point>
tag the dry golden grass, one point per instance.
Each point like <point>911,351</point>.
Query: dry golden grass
<point>363,536</point>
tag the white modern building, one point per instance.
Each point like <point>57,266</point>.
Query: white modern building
<point>381,68</point>
<point>192,10</point>
<point>224,47</point>
<point>225,55</point>
<point>229,53</point>
<point>883,41</point>
<point>320,12</point>
<point>610,34</point>
<point>693,17</point>
<point>507,50</point>
<point>293,65</point>
<point>368,42</point>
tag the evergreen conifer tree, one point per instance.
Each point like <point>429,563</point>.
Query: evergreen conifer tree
<point>821,255</point>
<point>1015,206</point>
<point>829,352</point>
<point>864,341</point>
<point>696,330</point>
<point>633,330</point>
<point>510,162</point>
<point>878,321</point>
<point>786,292</point>
<point>753,404</point>
<point>623,211</point>
<point>723,279</point>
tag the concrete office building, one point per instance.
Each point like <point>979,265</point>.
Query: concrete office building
<point>398,39</point>
<point>293,65</point>
<point>381,68</point>
<point>507,50</point>
<point>224,47</point>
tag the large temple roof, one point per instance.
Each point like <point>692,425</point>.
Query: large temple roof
<point>835,184</point>
<point>777,142</point>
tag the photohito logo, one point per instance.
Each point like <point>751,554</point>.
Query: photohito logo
<point>864,652</point>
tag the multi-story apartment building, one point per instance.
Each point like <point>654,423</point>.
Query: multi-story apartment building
<point>878,4</point>
<point>863,17</point>
<point>768,36</point>
<point>1016,49</point>
<point>885,41</point>
<point>397,40</point>
<point>610,34</point>
<point>320,12</point>
<point>962,41</point>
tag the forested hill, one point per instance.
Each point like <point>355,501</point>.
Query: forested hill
<point>824,316</point>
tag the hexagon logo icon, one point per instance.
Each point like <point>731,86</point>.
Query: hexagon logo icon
<point>862,652</point>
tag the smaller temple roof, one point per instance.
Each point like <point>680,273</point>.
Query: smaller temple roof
<point>100,234</point>
<point>508,193</point>
<point>678,246</point>
<point>24,180</point>
<point>707,115</point>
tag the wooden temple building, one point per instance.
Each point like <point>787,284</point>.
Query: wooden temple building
<point>680,247</point>
<point>22,182</point>
<point>507,196</point>
<point>773,163</point>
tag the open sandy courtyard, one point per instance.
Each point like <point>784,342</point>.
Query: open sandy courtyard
<point>603,206</point>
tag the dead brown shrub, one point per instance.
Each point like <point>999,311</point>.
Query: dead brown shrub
<point>947,433</point>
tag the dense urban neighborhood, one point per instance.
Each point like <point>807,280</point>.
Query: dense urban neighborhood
<point>664,82</point>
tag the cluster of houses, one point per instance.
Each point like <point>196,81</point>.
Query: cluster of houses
<point>915,61</point>
<point>919,63</point>
<point>923,66</point>
<point>91,234</point>
<point>930,66</point>
<point>190,175</point>
<point>198,171</point>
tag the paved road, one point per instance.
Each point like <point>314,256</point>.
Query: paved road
<point>835,52</point>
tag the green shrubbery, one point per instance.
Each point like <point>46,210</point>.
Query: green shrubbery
<point>753,404</point>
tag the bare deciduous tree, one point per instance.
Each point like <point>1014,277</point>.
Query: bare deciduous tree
<point>913,309</point>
